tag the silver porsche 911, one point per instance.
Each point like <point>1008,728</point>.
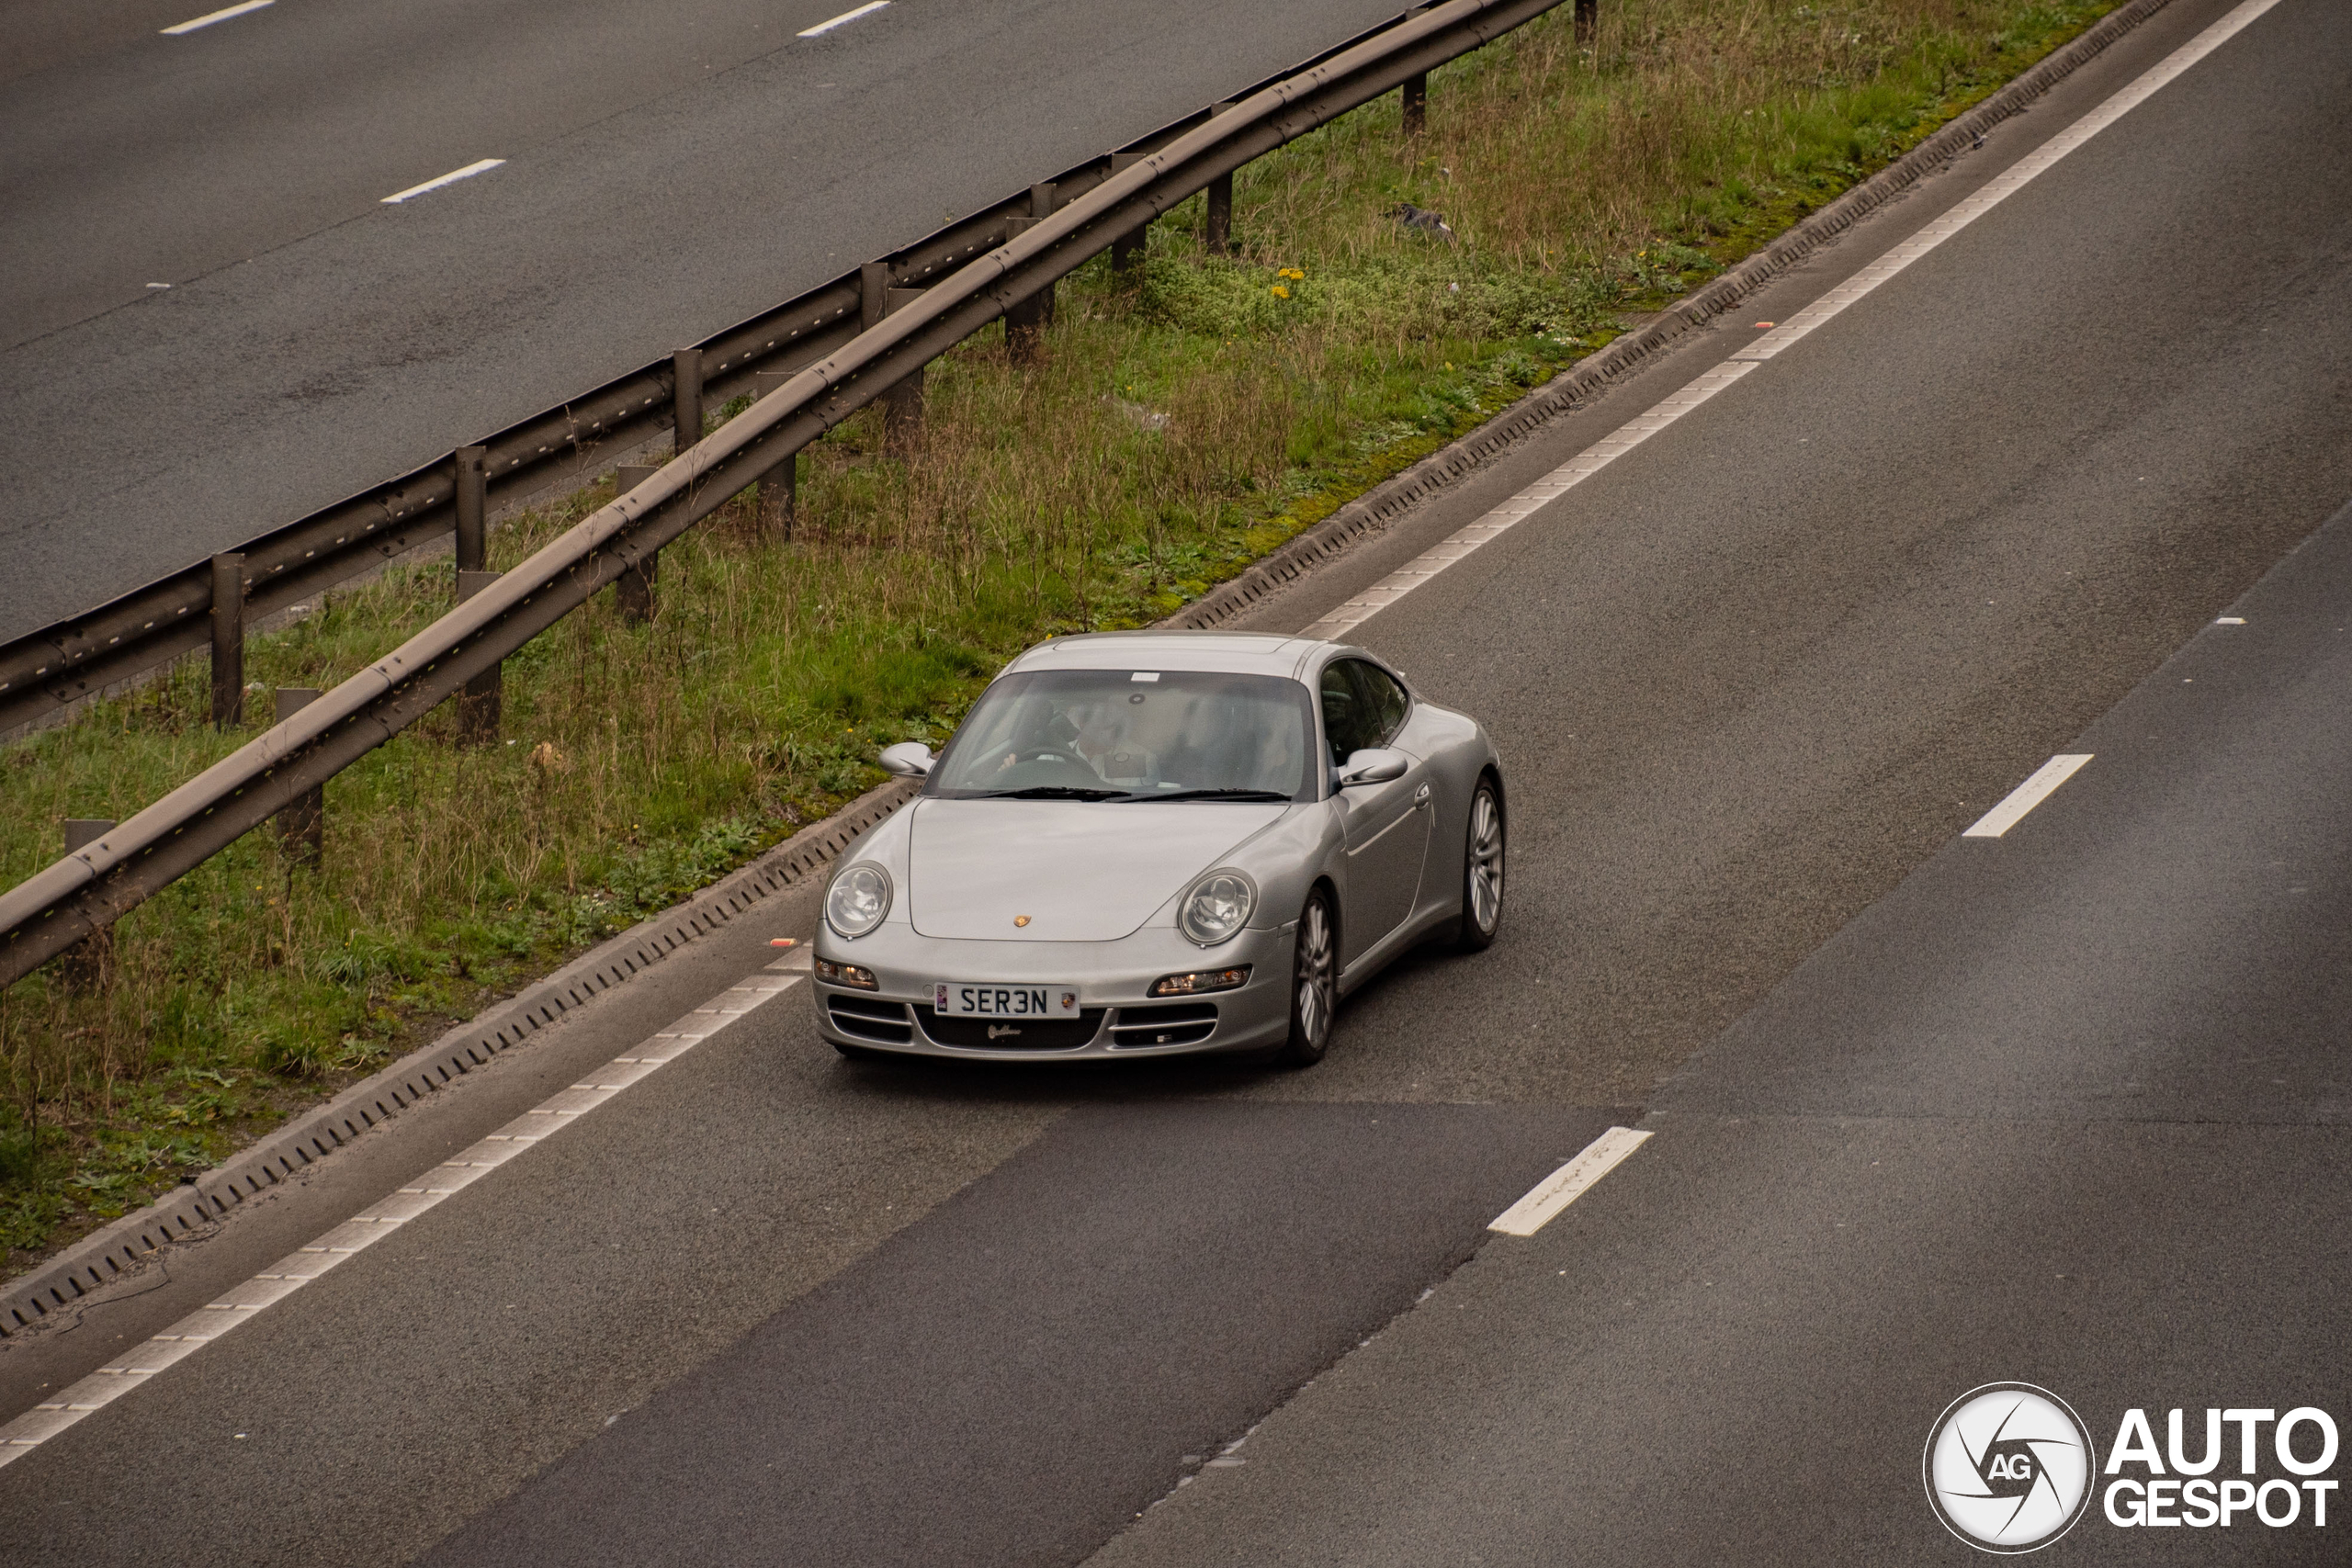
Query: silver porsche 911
<point>1150,842</point>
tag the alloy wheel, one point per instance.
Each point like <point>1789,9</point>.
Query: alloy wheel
<point>1315,986</point>
<point>1482,871</point>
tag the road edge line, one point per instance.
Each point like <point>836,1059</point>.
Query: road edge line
<point>341,1242</point>
<point>1398,497</point>
<point>124,1245</point>
<point>1425,568</point>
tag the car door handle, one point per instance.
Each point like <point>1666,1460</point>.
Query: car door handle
<point>1420,797</point>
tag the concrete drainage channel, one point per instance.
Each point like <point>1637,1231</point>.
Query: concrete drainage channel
<point>126,1246</point>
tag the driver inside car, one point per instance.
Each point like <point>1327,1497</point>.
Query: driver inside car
<point>1052,732</point>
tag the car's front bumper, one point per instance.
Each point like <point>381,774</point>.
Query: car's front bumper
<point>1118,1017</point>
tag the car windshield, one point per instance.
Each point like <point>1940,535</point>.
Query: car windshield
<point>1129,735</point>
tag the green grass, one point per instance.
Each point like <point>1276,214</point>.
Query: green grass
<point>1331,349</point>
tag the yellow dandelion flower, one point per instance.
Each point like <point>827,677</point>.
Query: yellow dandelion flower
<point>1279,292</point>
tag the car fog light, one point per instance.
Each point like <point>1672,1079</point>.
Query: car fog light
<point>1199,980</point>
<point>845,975</point>
<point>858,900</point>
<point>1217,907</point>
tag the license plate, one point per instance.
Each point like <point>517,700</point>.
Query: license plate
<point>959,999</point>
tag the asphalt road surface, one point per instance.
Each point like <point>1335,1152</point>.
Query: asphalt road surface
<point>2064,1106</point>
<point>2071,1107</point>
<point>670,170</point>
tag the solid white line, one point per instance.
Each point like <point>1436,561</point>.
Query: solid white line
<point>452,177</point>
<point>1552,486</point>
<point>2027,795</point>
<point>362,1230</point>
<point>845,17</point>
<point>2007,184</point>
<point>211,17</point>
<point>1565,1185</point>
<point>1525,504</point>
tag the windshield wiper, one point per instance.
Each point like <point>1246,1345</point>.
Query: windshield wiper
<point>1264,794</point>
<point>1051,791</point>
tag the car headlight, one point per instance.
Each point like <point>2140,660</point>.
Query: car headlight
<point>858,900</point>
<point>1217,907</point>
<point>1197,983</point>
<point>854,975</point>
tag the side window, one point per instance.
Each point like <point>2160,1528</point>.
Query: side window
<point>1348,722</point>
<point>1384,700</point>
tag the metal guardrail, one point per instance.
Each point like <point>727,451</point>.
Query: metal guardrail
<point>89,889</point>
<point>47,670</point>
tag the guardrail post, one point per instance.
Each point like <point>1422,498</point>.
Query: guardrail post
<point>1043,197</point>
<point>1588,20</point>
<point>901,404</point>
<point>780,486</point>
<point>686,398</point>
<point>1414,93</point>
<point>480,704</point>
<point>228,640</point>
<point>633,592</point>
<point>1216,234</point>
<point>1128,248</point>
<point>473,507</point>
<point>82,968</point>
<point>302,826</point>
<point>1026,323</point>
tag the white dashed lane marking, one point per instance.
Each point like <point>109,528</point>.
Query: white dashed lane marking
<point>826,26</point>
<point>362,1231</point>
<point>479,166</point>
<point>1569,1183</point>
<point>220,15</point>
<point>2027,795</point>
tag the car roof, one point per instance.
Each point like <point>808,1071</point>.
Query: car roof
<point>1239,653</point>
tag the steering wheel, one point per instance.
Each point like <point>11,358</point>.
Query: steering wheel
<point>1042,767</point>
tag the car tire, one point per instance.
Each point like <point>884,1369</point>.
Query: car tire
<point>1314,985</point>
<point>1482,870</point>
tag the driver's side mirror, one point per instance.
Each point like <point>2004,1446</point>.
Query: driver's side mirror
<point>1374,764</point>
<point>909,758</point>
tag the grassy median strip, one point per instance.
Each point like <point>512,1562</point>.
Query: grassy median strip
<point>1384,294</point>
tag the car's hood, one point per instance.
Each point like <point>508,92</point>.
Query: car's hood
<point>1080,870</point>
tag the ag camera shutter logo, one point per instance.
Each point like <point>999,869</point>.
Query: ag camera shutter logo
<point>2008,1467</point>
